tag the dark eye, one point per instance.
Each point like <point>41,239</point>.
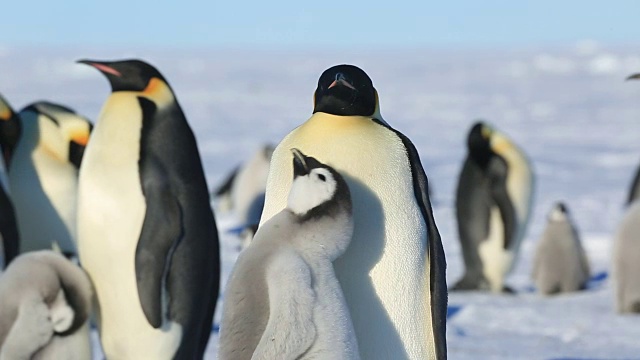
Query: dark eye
<point>322,177</point>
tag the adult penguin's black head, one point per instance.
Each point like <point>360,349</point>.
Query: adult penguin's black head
<point>479,143</point>
<point>345,90</point>
<point>126,75</point>
<point>10,129</point>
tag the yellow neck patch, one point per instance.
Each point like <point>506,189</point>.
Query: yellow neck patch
<point>159,92</point>
<point>5,113</point>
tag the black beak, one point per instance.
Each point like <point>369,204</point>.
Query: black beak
<point>633,77</point>
<point>300,167</point>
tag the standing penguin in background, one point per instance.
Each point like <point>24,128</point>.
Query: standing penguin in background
<point>493,203</point>
<point>146,232</point>
<point>560,264</point>
<point>243,191</point>
<point>634,192</point>
<point>9,134</point>
<point>45,302</point>
<point>283,300</point>
<point>393,273</point>
<point>626,261</point>
<point>43,176</point>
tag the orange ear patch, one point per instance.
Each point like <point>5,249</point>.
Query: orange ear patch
<point>158,91</point>
<point>5,114</point>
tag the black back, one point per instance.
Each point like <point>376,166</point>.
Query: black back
<point>10,130</point>
<point>634,192</point>
<point>179,226</point>
<point>435,250</point>
<point>8,228</point>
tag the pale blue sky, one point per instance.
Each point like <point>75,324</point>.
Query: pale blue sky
<point>317,23</point>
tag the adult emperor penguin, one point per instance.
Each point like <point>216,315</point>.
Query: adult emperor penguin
<point>634,192</point>
<point>493,203</point>
<point>9,134</point>
<point>626,261</point>
<point>393,273</point>
<point>146,232</point>
<point>243,191</point>
<point>45,301</point>
<point>283,300</point>
<point>560,264</point>
<point>43,176</point>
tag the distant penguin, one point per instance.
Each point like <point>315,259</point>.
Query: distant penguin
<point>43,176</point>
<point>493,204</point>
<point>626,261</point>
<point>146,231</point>
<point>9,134</point>
<point>634,192</point>
<point>243,191</point>
<point>45,301</point>
<point>393,273</point>
<point>283,300</point>
<point>560,264</point>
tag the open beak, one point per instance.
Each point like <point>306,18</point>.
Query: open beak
<point>300,167</point>
<point>102,66</point>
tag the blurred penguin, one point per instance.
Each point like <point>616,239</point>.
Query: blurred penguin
<point>243,191</point>
<point>626,261</point>
<point>493,204</point>
<point>560,263</point>
<point>45,301</point>
<point>9,134</point>
<point>44,176</point>
<point>634,192</point>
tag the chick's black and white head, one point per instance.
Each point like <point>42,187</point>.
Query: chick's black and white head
<point>317,189</point>
<point>126,75</point>
<point>345,90</point>
<point>479,143</point>
<point>559,212</point>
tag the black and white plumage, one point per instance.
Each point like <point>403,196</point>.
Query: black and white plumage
<point>43,175</point>
<point>560,263</point>
<point>147,235</point>
<point>393,273</point>
<point>283,300</point>
<point>45,302</point>
<point>626,261</point>
<point>9,134</point>
<point>493,204</point>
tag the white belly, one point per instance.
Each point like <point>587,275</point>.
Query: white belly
<point>111,211</point>
<point>496,260</point>
<point>384,273</point>
<point>43,190</point>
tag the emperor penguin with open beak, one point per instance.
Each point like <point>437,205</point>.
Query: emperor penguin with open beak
<point>393,273</point>
<point>146,232</point>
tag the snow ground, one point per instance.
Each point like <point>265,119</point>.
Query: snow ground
<point>569,108</point>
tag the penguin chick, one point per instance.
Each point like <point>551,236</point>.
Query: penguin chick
<point>45,301</point>
<point>283,300</point>
<point>560,263</point>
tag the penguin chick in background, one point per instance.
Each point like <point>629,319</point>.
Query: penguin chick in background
<point>45,301</point>
<point>283,300</point>
<point>43,176</point>
<point>560,263</point>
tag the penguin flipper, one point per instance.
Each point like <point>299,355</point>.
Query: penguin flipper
<point>290,330</point>
<point>8,228</point>
<point>161,232</point>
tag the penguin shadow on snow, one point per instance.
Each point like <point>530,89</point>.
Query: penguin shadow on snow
<point>374,228</point>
